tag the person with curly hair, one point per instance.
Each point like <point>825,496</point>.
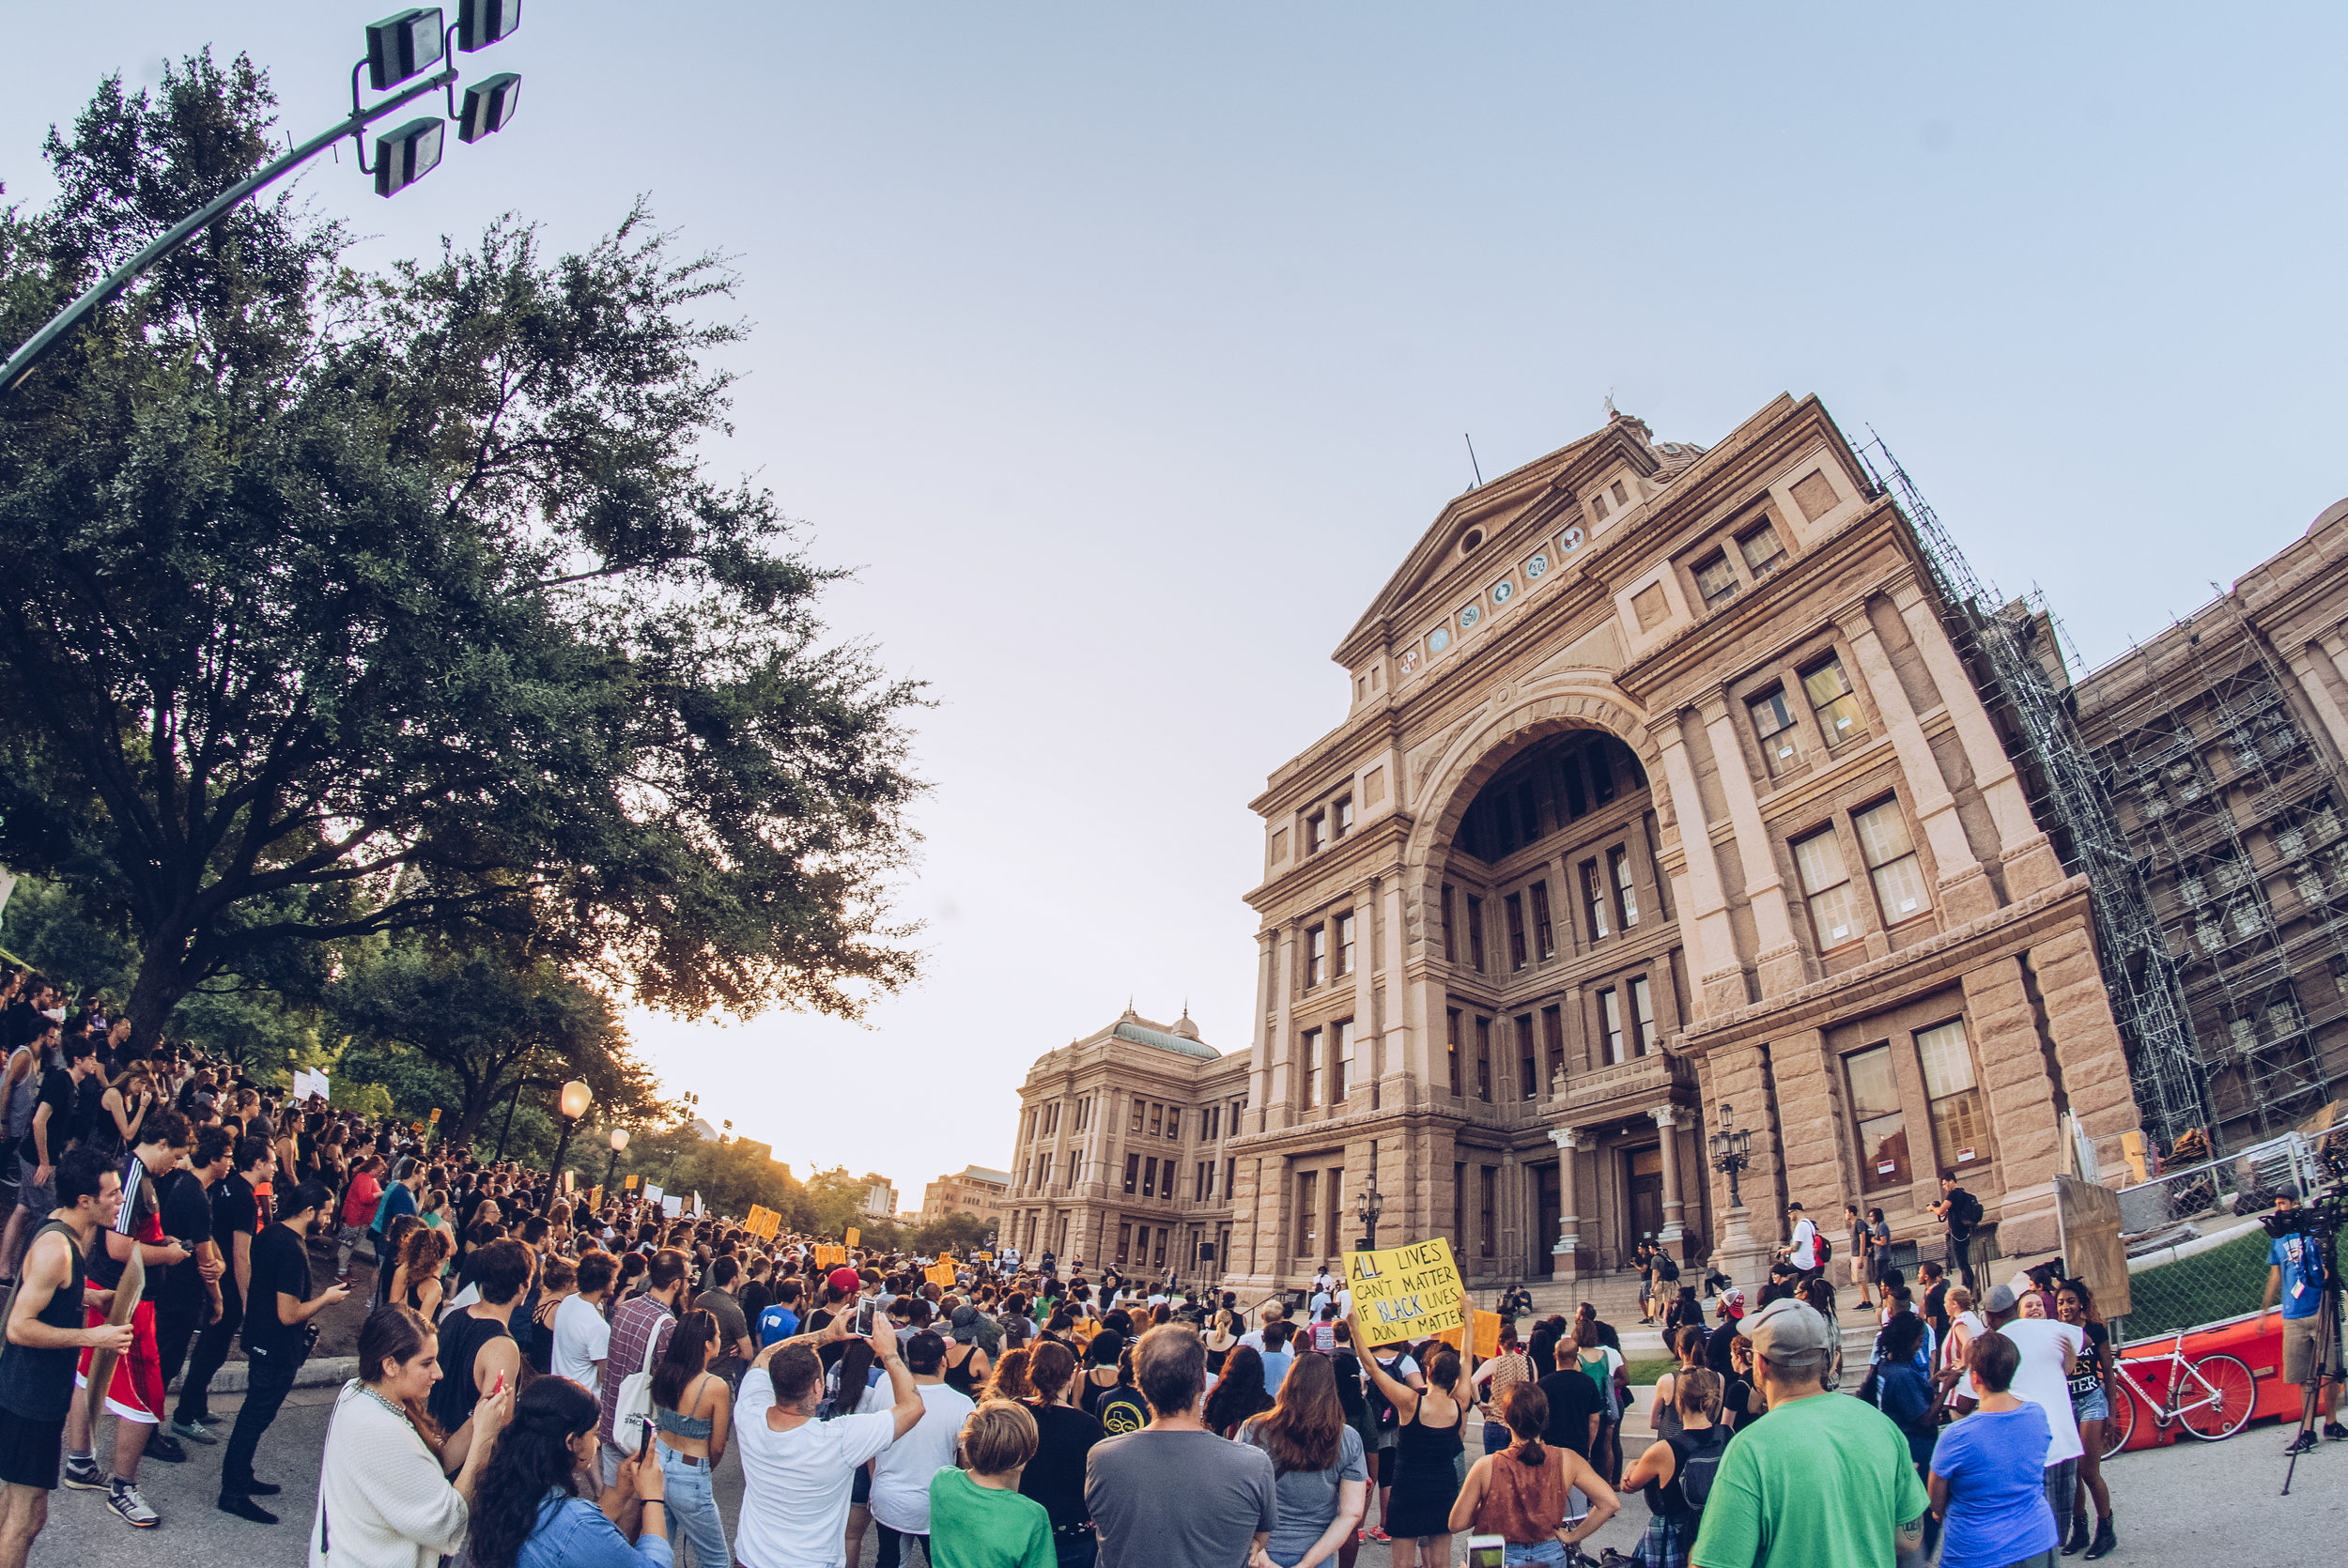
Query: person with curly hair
<point>527,1511</point>
<point>1238,1395</point>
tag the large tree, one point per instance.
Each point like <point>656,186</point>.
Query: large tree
<point>336,604</point>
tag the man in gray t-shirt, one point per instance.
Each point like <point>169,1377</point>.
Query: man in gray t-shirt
<point>1174,1495</point>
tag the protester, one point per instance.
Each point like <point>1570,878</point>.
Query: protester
<point>1675,1473</point>
<point>1988,1486</point>
<point>277,1339</point>
<point>478,1353</point>
<point>902,1473</point>
<point>1496,1377</point>
<point>1320,1474</point>
<point>1238,1395</point>
<point>1418,1516</point>
<point>796,1471</point>
<point>582,1337</point>
<point>2298,1274</point>
<point>1521,1494</point>
<point>1174,1495</point>
<point>527,1511</point>
<point>978,1516</point>
<point>357,1213</point>
<point>639,1333</point>
<point>2091,1406</point>
<point>1961,1213</point>
<point>692,1410</point>
<point>235,1221</point>
<point>2050,1356</point>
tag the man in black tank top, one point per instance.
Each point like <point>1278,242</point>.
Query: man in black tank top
<point>477,1345</point>
<point>48,1326</point>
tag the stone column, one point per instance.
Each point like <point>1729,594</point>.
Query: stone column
<point>1811,1124</point>
<point>1274,1104</point>
<point>2307,665</point>
<point>2086,1043</point>
<point>1568,1249</point>
<point>2004,1033</point>
<point>1738,1078</point>
<point>1394,1046</point>
<point>1703,906</point>
<point>1778,963</point>
<point>1965,890</point>
<point>1675,1211</point>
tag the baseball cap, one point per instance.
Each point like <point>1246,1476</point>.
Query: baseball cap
<point>1790,1333</point>
<point>965,1324</point>
<point>1731,1303</point>
<point>845,1279</point>
<point>2002,1298</point>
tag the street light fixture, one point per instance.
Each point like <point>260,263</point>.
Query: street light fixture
<point>619,1143</point>
<point>489,106</point>
<point>577,1095</point>
<point>406,155</point>
<point>1370,1204</point>
<point>1732,1151</point>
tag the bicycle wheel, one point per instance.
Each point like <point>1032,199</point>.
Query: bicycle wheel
<point>2216,1398</point>
<point>2120,1424</point>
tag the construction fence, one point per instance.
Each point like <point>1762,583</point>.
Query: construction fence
<point>2197,1253</point>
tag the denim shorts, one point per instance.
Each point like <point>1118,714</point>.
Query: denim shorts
<point>2091,1407</point>
<point>1552,1551</point>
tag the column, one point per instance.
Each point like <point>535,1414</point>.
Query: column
<point>1362,1074</point>
<point>1703,907</point>
<point>1777,964</point>
<point>1964,887</point>
<point>2086,1043</point>
<point>2306,664</point>
<point>1569,1143</point>
<point>1812,1129</point>
<point>1273,1104</point>
<point>2004,1027</point>
<point>1393,1047</point>
<point>1675,1211</point>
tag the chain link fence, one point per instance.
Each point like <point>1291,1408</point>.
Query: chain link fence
<point>2197,1253</point>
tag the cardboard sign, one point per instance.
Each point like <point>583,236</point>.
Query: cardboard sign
<point>652,1193</point>
<point>1486,1333</point>
<point>672,1205</point>
<point>763,1223</point>
<point>594,1198</point>
<point>941,1275</point>
<point>828,1256</point>
<point>982,1257</point>
<point>1406,1292</point>
<point>854,1235</point>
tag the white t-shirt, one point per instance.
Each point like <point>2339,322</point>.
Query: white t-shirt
<point>796,1483</point>
<point>582,1339</point>
<point>2040,1380</point>
<point>901,1477</point>
<point>1805,1248</point>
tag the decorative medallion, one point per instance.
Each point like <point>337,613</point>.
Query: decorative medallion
<point>1569,541</point>
<point>1469,617</point>
<point>1410,660</point>
<point>1439,639</point>
<point>1536,566</point>
<point>1502,590</point>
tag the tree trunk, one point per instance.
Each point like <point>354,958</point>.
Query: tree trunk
<point>160,986</point>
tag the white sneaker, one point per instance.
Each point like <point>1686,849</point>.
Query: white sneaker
<point>123,1497</point>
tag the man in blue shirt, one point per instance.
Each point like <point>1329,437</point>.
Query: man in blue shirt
<point>781,1320</point>
<point>2300,1273</point>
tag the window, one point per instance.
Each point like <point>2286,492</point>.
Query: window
<point>1458,1198</point>
<point>1345,944</point>
<point>1341,816</point>
<point>1626,889</point>
<point>1884,845</point>
<point>1312,1068</point>
<point>1609,1012</point>
<point>1140,1106</point>
<point>1047,1177</point>
<point>1026,1169</point>
<point>1205,1181</point>
<point>1231,1176</point>
<point>1484,1059</point>
<point>1655,866</point>
<point>1833,700</point>
<point>1642,1014</point>
<point>1554,1041</point>
<point>1544,932</point>
<point>1875,1107</point>
<point>1236,1106</point>
<point>1157,1115</point>
<point>1149,1179</point>
<point>1475,933</point>
<point>1215,1123</point>
<point>1833,913</point>
<point>1132,1173</point>
<point>1716,580</point>
<point>1958,1131</point>
<point>1307,1191</point>
<point>1518,956</point>
<point>1450,948</point>
<point>1593,900</point>
<point>1528,1070</point>
<point>1340,1059</point>
<point>1317,833</point>
<point>1157,1260</point>
<point>1124,1252</point>
<point>1027,1127</point>
<point>1774,725</point>
<point>1487,1216</point>
<point>1601,772</point>
<point>1762,552</point>
<point>1451,1045</point>
<point>1316,956</point>
<point>1174,1121</point>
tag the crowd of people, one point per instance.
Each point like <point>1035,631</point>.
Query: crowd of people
<point>543,1384</point>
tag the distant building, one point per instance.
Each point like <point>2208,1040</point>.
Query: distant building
<point>702,1130</point>
<point>880,1197</point>
<point>974,1189</point>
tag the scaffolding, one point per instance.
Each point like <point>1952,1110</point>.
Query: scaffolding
<point>2011,651</point>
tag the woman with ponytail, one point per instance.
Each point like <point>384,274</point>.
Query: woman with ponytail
<point>1522,1493</point>
<point>527,1511</point>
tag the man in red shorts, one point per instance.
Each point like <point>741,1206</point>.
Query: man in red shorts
<point>135,1394</point>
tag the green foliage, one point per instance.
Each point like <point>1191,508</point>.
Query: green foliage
<point>949,1230</point>
<point>2226,1281</point>
<point>729,1176</point>
<point>335,605</point>
<point>48,927</point>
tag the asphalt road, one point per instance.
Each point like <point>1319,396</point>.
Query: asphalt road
<point>2194,1504</point>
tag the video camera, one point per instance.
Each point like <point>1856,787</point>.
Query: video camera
<point>2319,1218</point>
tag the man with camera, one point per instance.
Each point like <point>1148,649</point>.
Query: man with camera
<point>2299,1269</point>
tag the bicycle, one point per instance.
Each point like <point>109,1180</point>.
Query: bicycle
<point>2210,1397</point>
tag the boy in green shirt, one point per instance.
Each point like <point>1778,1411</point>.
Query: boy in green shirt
<point>978,1519</point>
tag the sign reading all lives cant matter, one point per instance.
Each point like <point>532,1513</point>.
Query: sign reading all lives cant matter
<point>1406,1292</point>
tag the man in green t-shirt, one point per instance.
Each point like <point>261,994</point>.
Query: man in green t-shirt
<point>1826,1478</point>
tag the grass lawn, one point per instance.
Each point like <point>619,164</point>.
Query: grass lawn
<point>2224,1282</point>
<point>1649,1370</point>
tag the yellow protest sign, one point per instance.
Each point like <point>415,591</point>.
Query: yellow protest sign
<point>830,1257</point>
<point>1486,1334</point>
<point>941,1275</point>
<point>982,1257</point>
<point>771,1224</point>
<point>1406,1292</point>
<point>594,1198</point>
<point>854,1235</point>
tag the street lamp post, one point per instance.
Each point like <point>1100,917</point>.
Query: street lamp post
<point>619,1141</point>
<point>575,1098</point>
<point>1732,1151</point>
<point>400,48</point>
<point>1370,1204</point>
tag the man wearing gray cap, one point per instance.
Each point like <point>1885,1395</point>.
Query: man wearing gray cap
<point>1827,1480</point>
<point>2050,1354</point>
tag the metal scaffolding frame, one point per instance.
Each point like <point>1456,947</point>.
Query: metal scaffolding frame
<point>2013,653</point>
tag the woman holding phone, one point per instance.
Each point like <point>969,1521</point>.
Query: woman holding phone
<point>693,1413</point>
<point>527,1511</point>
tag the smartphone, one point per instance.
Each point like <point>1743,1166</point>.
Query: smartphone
<point>864,1317</point>
<point>498,1387</point>
<point>644,1435</point>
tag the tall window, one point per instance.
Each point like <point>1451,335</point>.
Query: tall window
<point>1892,864</point>
<point>1312,1068</point>
<point>1132,1173</point>
<point>1317,833</point>
<point>1488,1217</point>
<point>1475,933</point>
<point>1316,956</point>
<point>1451,1045</point>
<point>1655,867</point>
<point>1833,911</point>
<point>1518,956</point>
<point>1150,1178</point>
<point>1610,1017</point>
<point>1716,580</point>
<point>1833,700</point>
<point>1625,887</point>
<point>1544,932</point>
<point>1882,1127</point>
<point>1528,1070</point>
<point>1642,1014</point>
<point>1157,1113</point>
<point>1774,725</point>
<point>1045,1181</point>
<point>1307,1206</point>
<point>1594,900</point>
<point>1958,1133</point>
<point>1341,816</point>
<point>1202,1180</point>
<point>1124,1251</point>
<point>1340,1058</point>
<point>1450,948</point>
<point>1141,1108</point>
<point>1345,944</point>
<point>1484,1059</point>
<point>1174,1121</point>
<point>1458,1198</point>
<point>1762,552</point>
<point>1553,1040</point>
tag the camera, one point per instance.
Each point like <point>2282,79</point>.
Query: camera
<point>2319,1218</point>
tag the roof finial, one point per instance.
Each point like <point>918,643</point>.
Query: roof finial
<point>1609,403</point>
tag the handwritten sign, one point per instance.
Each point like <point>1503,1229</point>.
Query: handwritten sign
<point>854,1235</point>
<point>941,1275</point>
<point>1406,1292</point>
<point>761,1222</point>
<point>595,1199</point>
<point>982,1257</point>
<point>828,1256</point>
<point>1485,1335</point>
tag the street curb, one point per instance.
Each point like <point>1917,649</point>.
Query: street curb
<point>324,1372</point>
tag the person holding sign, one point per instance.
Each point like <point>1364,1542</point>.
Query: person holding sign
<point>1418,1516</point>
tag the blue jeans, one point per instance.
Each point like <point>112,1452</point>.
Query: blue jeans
<point>1551,1551</point>
<point>1496,1434</point>
<point>693,1510</point>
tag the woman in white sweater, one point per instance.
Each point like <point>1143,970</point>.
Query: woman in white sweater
<point>383,1499</point>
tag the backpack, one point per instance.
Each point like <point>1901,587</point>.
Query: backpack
<point>635,1398</point>
<point>1826,1249</point>
<point>1697,1463</point>
<point>1664,1268</point>
<point>1965,1213</point>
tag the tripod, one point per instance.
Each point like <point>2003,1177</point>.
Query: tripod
<point>2326,1365</point>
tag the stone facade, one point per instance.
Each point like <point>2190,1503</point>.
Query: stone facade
<point>974,1189</point>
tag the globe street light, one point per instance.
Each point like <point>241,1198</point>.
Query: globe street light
<point>1732,1151</point>
<point>575,1098</point>
<point>619,1141</point>
<point>1370,1204</point>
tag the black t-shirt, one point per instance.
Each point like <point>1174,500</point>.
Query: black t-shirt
<point>281,1264</point>
<point>2090,1376</point>
<point>92,1122</point>
<point>1055,1476</point>
<point>1716,1347</point>
<point>57,1092</point>
<point>1573,1399</point>
<point>187,1219</point>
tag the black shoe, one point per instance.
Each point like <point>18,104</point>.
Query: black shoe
<point>262,1488</point>
<point>2305,1442</point>
<point>2104,1539</point>
<point>2336,1432</point>
<point>165,1446</point>
<point>245,1508</point>
<point>2080,1536</point>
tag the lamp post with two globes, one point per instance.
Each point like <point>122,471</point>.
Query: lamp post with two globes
<point>575,1098</point>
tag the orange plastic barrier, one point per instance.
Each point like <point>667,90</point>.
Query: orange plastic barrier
<point>2260,1349</point>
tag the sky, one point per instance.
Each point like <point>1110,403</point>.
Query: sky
<point>1124,352</point>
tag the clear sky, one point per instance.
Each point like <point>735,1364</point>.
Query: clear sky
<point>1126,355</point>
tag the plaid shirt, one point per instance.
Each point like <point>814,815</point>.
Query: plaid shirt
<point>633,1327</point>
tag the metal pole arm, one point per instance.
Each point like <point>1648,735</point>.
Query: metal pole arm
<point>37,347</point>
